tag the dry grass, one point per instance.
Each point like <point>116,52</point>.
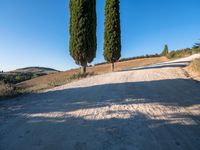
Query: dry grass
<point>8,90</point>
<point>57,79</point>
<point>195,65</point>
<point>194,69</point>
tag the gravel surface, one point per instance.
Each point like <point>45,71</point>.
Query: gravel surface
<point>153,107</point>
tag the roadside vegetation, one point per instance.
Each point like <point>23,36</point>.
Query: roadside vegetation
<point>183,53</point>
<point>8,90</point>
<point>76,76</point>
<point>195,66</point>
<point>9,81</point>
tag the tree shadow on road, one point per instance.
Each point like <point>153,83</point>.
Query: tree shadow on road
<point>174,92</point>
<point>42,126</point>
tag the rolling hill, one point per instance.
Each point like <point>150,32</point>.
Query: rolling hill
<point>42,70</point>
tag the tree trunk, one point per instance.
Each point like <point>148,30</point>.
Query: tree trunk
<point>112,66</point>
<point>83,69</point>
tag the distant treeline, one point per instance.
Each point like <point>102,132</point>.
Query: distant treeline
<point>14,78</point>
<point>173,54</point>
<point>131,58</point>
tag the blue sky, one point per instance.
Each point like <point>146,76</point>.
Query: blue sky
<point>35,32</point>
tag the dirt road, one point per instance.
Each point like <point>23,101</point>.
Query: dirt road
<point>151,108</point>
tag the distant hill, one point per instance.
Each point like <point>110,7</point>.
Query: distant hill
<point>37,70</point>
<point>23,74</point>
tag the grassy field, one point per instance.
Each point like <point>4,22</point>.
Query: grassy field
<point>60,78</point>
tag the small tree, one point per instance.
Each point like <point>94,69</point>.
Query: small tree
<point>112,32</point>
<point>83,31</point>
<point>196,45</point>
<point>165,51</point>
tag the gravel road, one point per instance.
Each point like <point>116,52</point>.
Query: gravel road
<point>154,107</point>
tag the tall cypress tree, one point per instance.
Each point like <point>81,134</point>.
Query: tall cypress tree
<point>83,31</point>
<point>165,51</point>
<point>112,32</point>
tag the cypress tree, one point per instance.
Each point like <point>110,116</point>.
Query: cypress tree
<point>83,31</point>
<point>112,32</point>
<point>165,51</point>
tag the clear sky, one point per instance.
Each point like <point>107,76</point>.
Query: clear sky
<point>35,32</point>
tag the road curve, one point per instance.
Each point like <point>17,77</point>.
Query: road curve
<point>153,107</point>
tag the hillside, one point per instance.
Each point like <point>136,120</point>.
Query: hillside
<point>42,70</point>
<point>23,74</point>
<point>60,78</point>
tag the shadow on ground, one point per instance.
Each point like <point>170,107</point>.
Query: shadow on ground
<point>138,131</point>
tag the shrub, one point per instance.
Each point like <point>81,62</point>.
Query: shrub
<point>8,90</point>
